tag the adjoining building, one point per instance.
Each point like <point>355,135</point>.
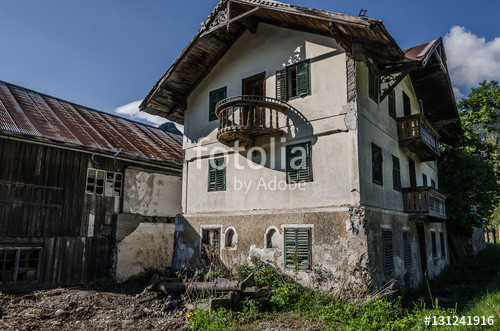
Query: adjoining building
<point>336,92</point>
<point>83,194</point>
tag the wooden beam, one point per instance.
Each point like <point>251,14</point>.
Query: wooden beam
<point>393,85</point>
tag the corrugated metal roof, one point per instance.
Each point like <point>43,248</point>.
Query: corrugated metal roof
<point>29,113</point>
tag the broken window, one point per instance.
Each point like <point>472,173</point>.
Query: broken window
<point>230,238</point>
<point>217,174</point>
<point>434,244</point>
<point>443,244</point>
<point>214,97</point>
<point>298,249</point>
<point>377,174</point>
<point>407,249</point>
<point>210,241</point>
<point>19,264</point>
<point>298,163</point>
<point>373,82</point>
<point>102,182</point>
<point>388,250</point>
<point>293,81</point>
<point>270,236</point>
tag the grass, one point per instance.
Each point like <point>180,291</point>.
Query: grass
<point>470,288</point>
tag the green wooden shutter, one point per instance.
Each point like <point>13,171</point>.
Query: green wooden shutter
<point>434,244</point>
<point>215,97</point>
<point>299,170</point>
<point>298,249</point>
<point>281,85</point>
<point>443,247</point>
<point>392,104</point>
<point>387,250</point>
<point>217,174</point>
<point>373,82</point>
<point>303,79</point>
<point>396,173</point>
<point>407,249</point>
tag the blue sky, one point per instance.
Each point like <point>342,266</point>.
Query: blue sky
<point>106,54</point>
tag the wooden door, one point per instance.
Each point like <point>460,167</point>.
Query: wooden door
<point>421,248</point>
<point>254,86</point>
<point>413,176</point>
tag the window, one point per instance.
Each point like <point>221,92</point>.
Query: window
<point>19,264</point>
<point>433,184</point>
<point>434,244</point>
<point>396,174</point>
<point>230,238</point>
<point>373,82</point>
<point>210,244</point>
<point>217,174</point>
<point>388,250</point>
<point>102,182</point>
<point>214,98</point>
<point>271,238</point>
<point>392,104</point>
<point>298,163</point>
<point>293,81</point>
<point>443,245</point>
<point>406,104</point>
<point>424,180</point>
<point>407,249</point>
<point>377,175</point>
<point>298,249</point>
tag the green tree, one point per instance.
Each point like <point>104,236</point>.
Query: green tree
<point>469,171</point>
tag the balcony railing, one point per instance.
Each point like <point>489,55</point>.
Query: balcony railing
<point>416,133</point>
<point>242,118</point>
<point>424,202</point>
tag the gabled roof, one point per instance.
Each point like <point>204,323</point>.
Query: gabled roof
<point>32,115</point>
<point>433,86</point>
<point>227,22</point>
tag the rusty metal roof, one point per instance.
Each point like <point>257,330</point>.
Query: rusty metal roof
<point>34,115</point>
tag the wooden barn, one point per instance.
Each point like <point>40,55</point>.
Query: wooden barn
<point>63,188</point>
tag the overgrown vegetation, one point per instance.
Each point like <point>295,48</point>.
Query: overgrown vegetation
<point>471,288</point>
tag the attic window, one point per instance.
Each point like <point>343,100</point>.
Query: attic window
<point>293,81</point>
<point>107,183</point>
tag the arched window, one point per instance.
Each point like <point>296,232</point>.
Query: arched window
<point>230,240</point>
<point>271,238</point>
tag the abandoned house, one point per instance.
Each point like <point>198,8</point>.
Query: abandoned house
<point>338,93</point>
<point>83,194</point>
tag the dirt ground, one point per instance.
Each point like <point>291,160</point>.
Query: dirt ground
<point>113,307</point>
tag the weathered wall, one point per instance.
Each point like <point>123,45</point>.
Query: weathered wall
<point>339,250</point>
<point>397,222</point>
<point>150,245</point>
<point>376,126</point>
<point>151,193</point>
<point>324,118</point>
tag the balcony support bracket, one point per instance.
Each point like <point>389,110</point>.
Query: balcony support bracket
<point>395,80</point>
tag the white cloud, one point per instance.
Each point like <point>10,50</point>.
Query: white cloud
<point>471,59</point>
<point>131,110</point>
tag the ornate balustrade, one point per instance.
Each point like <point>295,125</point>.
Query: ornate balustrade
<point>424,202</point>
<point>416,133</point>
<point>242,118</point>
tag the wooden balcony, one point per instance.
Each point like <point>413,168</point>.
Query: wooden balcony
<point>416,133</point>
<point>424,202</point>
<point>242,118</point>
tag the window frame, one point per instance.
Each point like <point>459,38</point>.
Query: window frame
<point>284,77</point>
<point>296,230</point>
<point>217,187</point>
<point>308,149</point>
<point>113,191</point>
<point>212,116</point>
<point>17,260</point>
<point>425,180</point>
<point>373,86</point>
<point>376,180</point>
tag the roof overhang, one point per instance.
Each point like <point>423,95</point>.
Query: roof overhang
<point>227,22</point>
